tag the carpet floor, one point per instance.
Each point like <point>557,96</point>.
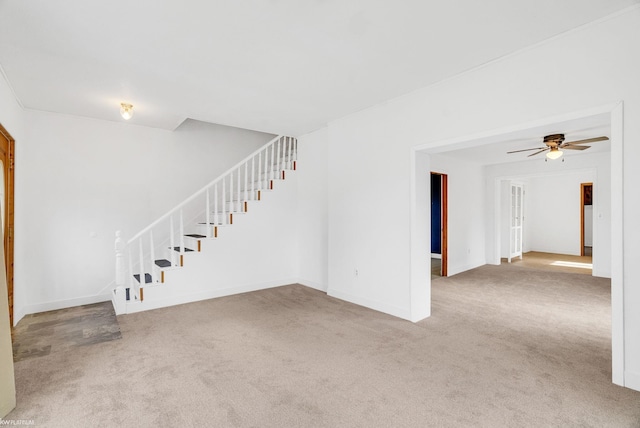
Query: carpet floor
<point>505,347</point>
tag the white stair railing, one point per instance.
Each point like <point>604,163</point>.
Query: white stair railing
<point>230,192</point>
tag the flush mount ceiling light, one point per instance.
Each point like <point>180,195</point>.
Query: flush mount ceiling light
<point>126,111</point>
<point>554,153</point>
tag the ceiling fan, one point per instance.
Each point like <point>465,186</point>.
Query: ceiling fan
<point>555,142</point>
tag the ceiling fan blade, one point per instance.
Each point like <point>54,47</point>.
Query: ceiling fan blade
<point>536,153</point>
<point>588,140</point>
<point>572,147</point>
<point>526,150</point>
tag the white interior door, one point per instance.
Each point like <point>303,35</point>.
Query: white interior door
<point>515,236</point>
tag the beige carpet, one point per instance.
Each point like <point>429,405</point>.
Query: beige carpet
<point>505,347</point>
<point>554,262</point>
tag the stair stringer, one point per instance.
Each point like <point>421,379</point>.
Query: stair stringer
<point>258,251</point>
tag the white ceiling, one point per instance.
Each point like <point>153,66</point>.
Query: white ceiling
<point>493,150</point>
<point>280,66</point>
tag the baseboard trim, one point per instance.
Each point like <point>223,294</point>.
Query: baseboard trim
<point>18,314</point>
<point>454,270</point>
<point>203,295</point>
<point>313,284</point>
<point>632,380</point>
<point>62,304</point>
<point>372,304</point>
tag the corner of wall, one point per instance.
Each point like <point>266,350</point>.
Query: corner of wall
<point>313,284</point>
<point>632,380</point>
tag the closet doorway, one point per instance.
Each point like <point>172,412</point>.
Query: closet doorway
<point>586,219</point>
<point>439,216</point>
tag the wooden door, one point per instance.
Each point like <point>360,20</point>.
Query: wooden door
<point>7,147</point>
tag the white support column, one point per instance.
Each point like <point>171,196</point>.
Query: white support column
<point>208,215</point>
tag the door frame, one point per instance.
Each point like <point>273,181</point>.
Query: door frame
<point>420,155</point>
<point>444,221</point>
<point>582,187</point>
<point>9,186</point>
<point>520,213</point>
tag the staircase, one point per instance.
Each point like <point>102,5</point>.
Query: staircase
<point>143,263</point>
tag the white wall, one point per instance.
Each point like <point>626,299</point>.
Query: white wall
<point>258,251</point>
<point>12,118</point>
<point>79,180</point>
<point>466,212</point>
<point>312,210</point>
<point>588,225</point>
<point>554,215</point>
<point>505,218</point>
<point>370,212</point>
<point>552,206</point>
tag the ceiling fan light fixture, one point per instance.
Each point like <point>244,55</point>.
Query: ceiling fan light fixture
<point>554,153</point>
<point>126,111</point>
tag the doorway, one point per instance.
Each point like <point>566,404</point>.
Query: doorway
<point>609,115</point>
<point>439,223</point>
<point>7,159</point>
<point>516,216</point>
<point>586,219</point>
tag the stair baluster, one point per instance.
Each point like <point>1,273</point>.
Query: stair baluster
<point>231,204</point>
<point>152,254</point>
<point>181,236</point>
<point>131,278</point>
<point>172,242</point>
<point>285,156</point>
<point>215,205</point>
<point>137,287</point>
<point>273,148</point>
<point>259,170</point>
<point>224,201</point>
<point>207,211</point>
<point>279,155</point>
<point>239,201</point>
<point>266,168</point>
<point>253,178</point>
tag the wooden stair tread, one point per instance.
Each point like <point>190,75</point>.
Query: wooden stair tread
<point>186,250</point>
<point>195,235</point>
<point>163,263</point>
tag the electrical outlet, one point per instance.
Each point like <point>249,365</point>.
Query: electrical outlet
<point>355,272</point>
